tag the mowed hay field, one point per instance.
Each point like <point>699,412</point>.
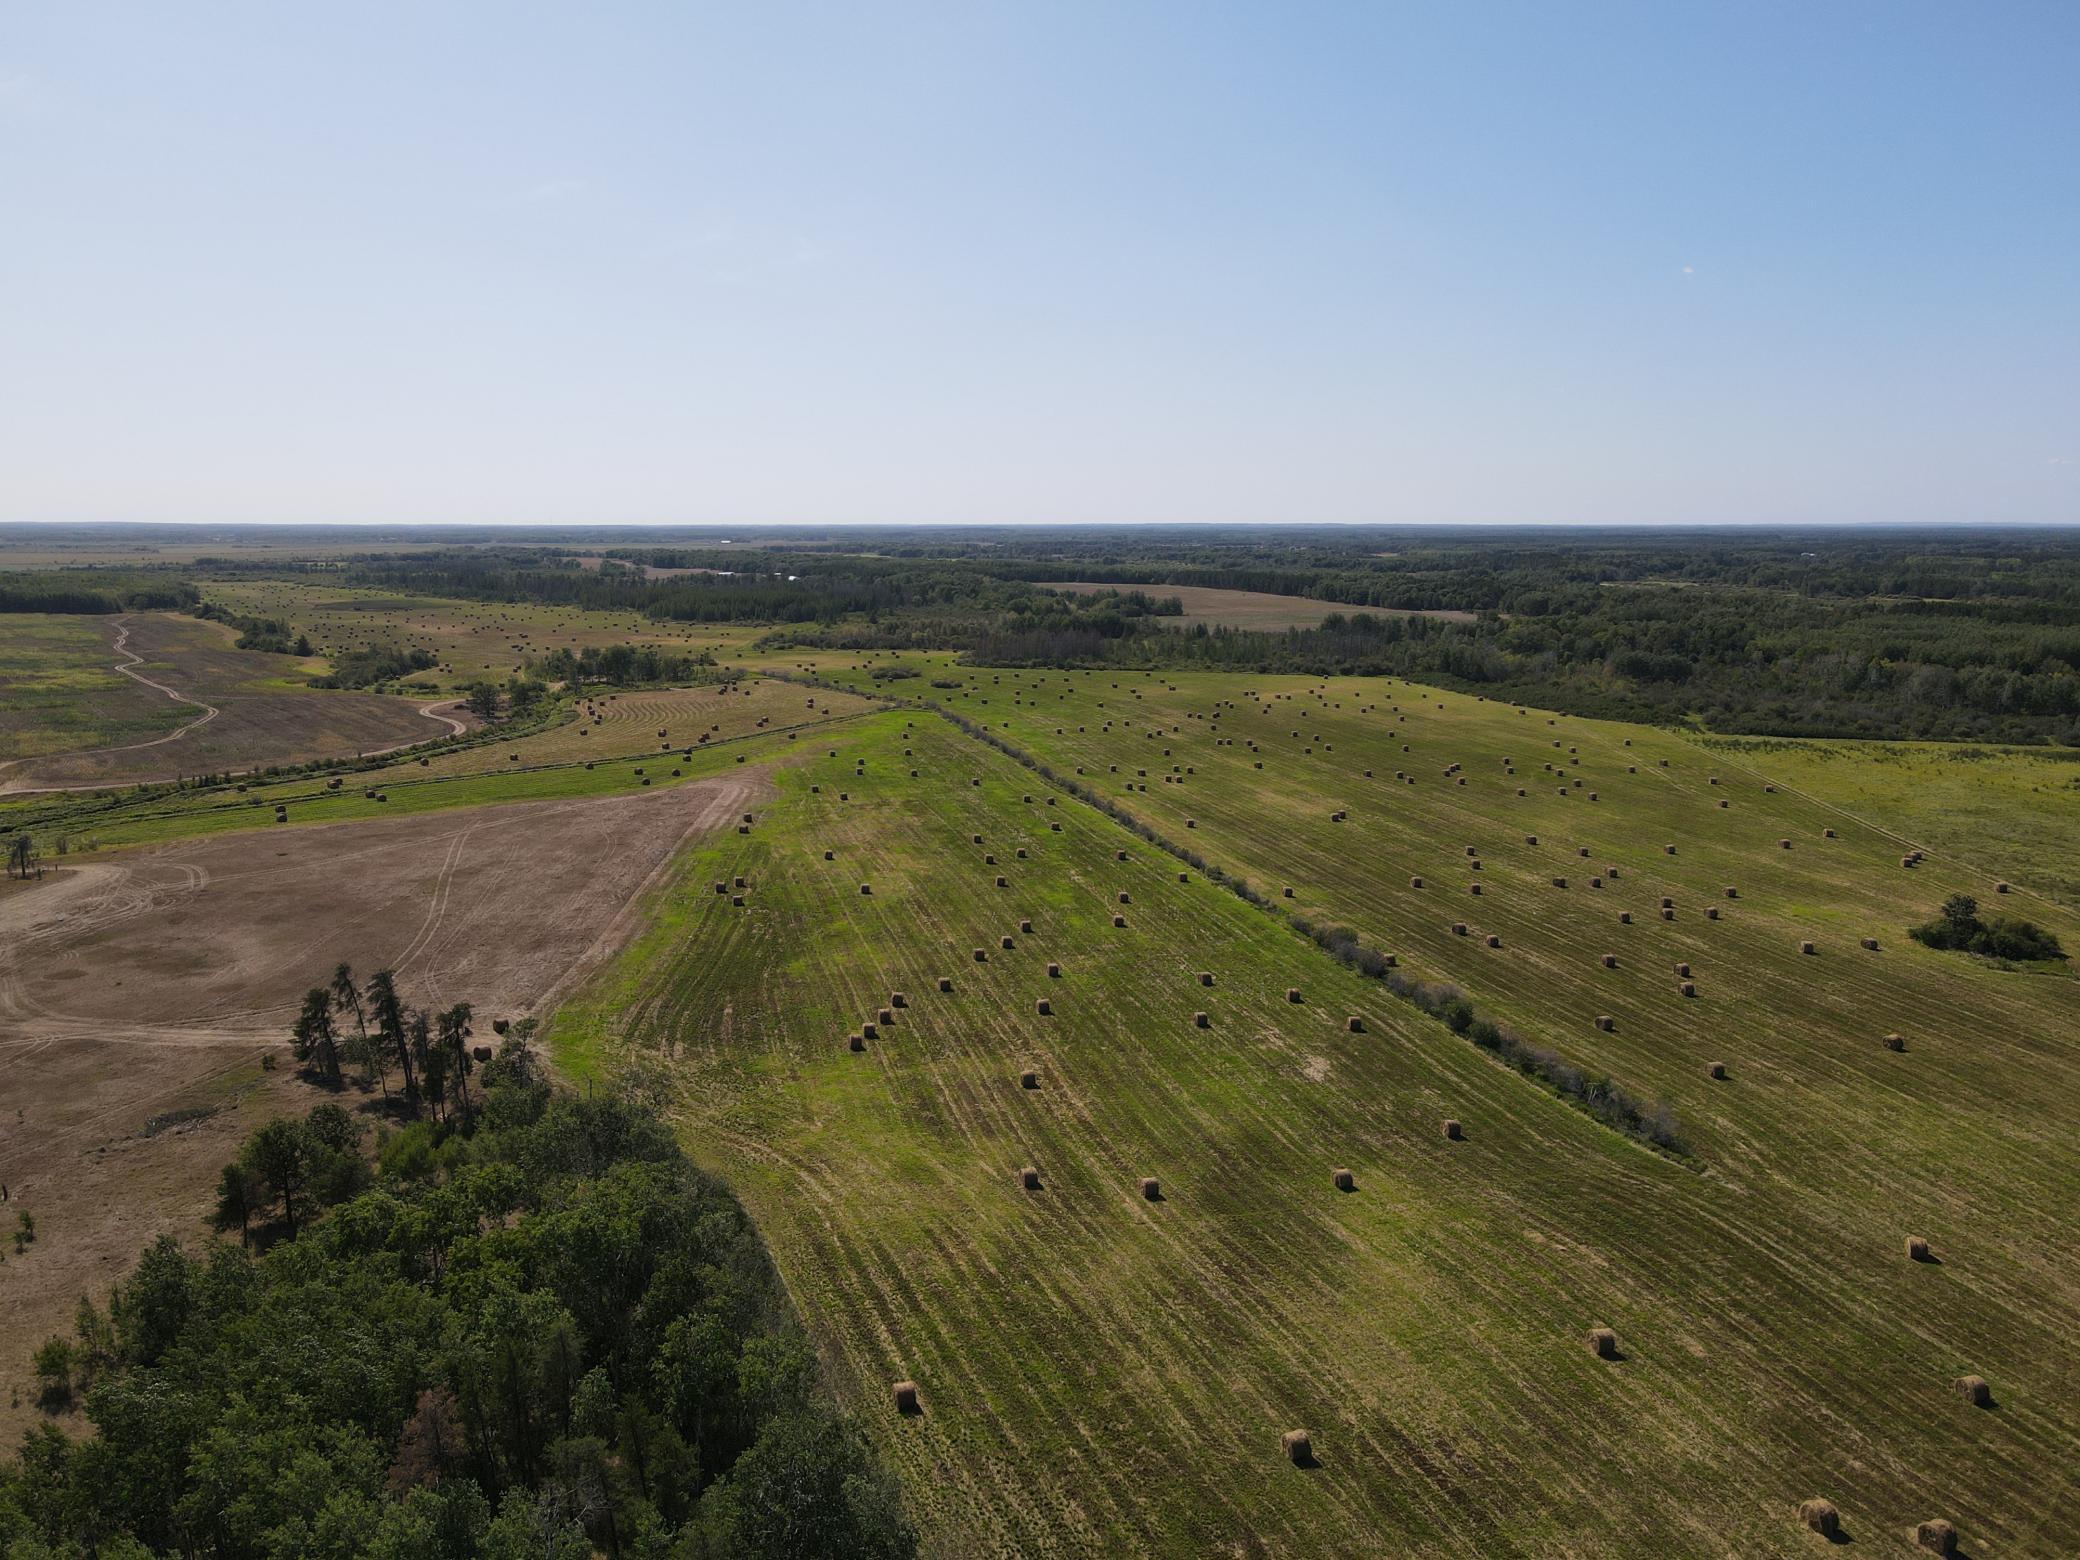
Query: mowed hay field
<point>237,709</point>
<point>1254,609</point>
<point>1103,1373</point>
<point>658,722</point>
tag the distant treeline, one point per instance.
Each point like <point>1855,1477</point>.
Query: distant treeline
<point>94,591</point>
<point>625,666</point>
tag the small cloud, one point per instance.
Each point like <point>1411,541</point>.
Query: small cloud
<point>2059,460</point>
<point>1689,270</point>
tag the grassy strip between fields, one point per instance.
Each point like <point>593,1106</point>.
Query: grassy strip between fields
<point>1597,1096</point>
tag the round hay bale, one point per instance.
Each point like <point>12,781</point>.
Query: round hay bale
<point>1119,855</point>
<point>1355,1024</point>
<point>1288,893</point>
<point>1493,941</point>
<point>906,1398</point>
<point>1343,1180</point>
<point>1021,853</point>
<point>1610,961</point>
<point>1006,942</point>
<point>896,999</point>
<point>1827,834</point>
<point>1871,943</point>
<point>1973,1390</point>
<point>1715,1069</point>
<point>1151,1189</point>
<point>870,1031</point>
<point>1201,1020</point>
<point>1054,971</point>
<point>1125,898</point>
<point>1029,1079</point>
<point>1807,947</point>
<point>981,955</point>
<point>1624,917</point>
<point>1474,889</point>
<point>1002,881</point>
<point>857,1042</point>
<point>1119,921</point>
<point>1669,850</point>
<point>1559,882</point>
<point>1895,1041</point>
<point>1452,1130</point>
<point>1026,927</point>
<point>1668,913</point>
<point>1531,839</point>
<point>737,900</point>
<point>1605,1022</point>
<point>1687,988</point>
<point>1299,1447</point>
<point>1292,993</point>
<point>1603,1343</point>
<point>1415,882</point>
<point>990,860</point>
<point>946,983</point>
<point>2000,888</point>
<point>1783,844</point>
<point>830,855</point>
<point>1044,1008</point>
<point>866,888</point>
<point>1682,969</point>
<point>1821,1517</point>
<point>1206,977</point>
<point>1937,1536</point>
<point>1730,891</point>
<point>1917,1248</point>
<point>721,888</point>
<point>885,1016</point>
<point>1029,1178</point>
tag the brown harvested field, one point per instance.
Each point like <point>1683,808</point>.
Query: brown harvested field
<point>1248,608</point>
<point>240,709</point>
<point>152,981</point>
<point>623,725</point>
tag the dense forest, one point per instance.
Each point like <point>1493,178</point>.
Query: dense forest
<point>95,591</point>
<point>531,1329</point>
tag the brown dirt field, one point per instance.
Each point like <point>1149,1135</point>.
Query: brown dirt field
<point>246,710</point>
<point>153,980</point>
<point>1248,608</point>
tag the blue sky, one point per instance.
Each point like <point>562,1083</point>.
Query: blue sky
<point>1587,262</point>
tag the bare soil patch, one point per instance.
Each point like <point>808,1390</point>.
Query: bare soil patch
<point>149,983</point>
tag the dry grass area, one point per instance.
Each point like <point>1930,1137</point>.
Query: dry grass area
<point>234,709</point>
<point>152,981</point>
<point>1248,608</point>
<point>659,721</point>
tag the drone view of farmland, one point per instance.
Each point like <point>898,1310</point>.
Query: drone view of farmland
<point>807,782</point>
<point>1352,1081</point>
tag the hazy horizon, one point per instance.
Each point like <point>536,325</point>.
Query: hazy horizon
<point>1617,264</point>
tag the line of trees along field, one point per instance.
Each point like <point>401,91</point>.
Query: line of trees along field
<point>532,1329</point>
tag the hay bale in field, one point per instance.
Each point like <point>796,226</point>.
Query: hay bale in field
<point>906,1398</point>
<point>1715,1069</point>
<point>946,983</point>
<point>1055,828</point>
<point>1974,1390</point>
<point>1002,881</point>
<point>856,1042</point>
<point>1026,927</point>
<point>830,855</point>
<point>1054,971</point>
<point>1201,1020</point>
<point>1151,1189</point>
<point>1603,1343</point>
<point>1452,1130</point>
<point>1610,961</point>
<point>1807,947</point>
<point>1006,942</point>
<point>1044,1008</point>
<point>1292,993</point>
<point>1288,893</point>
<point>1682,969</point>
<point>1119,921</point>
<point>1355,1024</point>
<point>896,999</point>
<point>1906,861</point>
<point>1605,1022</point>
<point>1937,1536</point>
<point>1119,855</point>
<point>1029,1178</point>
<point>1596,882</point>
<point>1459,929</point>
<point>1474,889</point>
<point>1343,1180</point>
<point>1917,1248</point>
<point>1783,844</point>
<point>1299,1448</point>
<point>2000,888</point>
<point>866,888</point>
<point>981,955</point>
<point>1559,882</point>
<point>990,859</point>
<point>885,1016</point>
<point>1492,940</point>
<point>1827,834</point>
<point>1624,917</point>
<point>721,888</point>
<point>1668,913</point>
<point>1125,898</point>
<point>1029,1079</point>
<point>1687,988</point>
<point>1822,1517</point>
<point>1895,1041</point>
<point>1415,882</point>
<point>870,1031</point>
<point>1871,943</point>
<point>1668,850</point>
<point>737,900</point>
<point>1021,853</point>
<point>1206,977</point>
<point>1711,912</point>
<point>1531,839</point>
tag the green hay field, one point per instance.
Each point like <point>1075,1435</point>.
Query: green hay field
<point>1103,1374</point>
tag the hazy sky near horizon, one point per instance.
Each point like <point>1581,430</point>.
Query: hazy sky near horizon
<point>1762,260</point>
